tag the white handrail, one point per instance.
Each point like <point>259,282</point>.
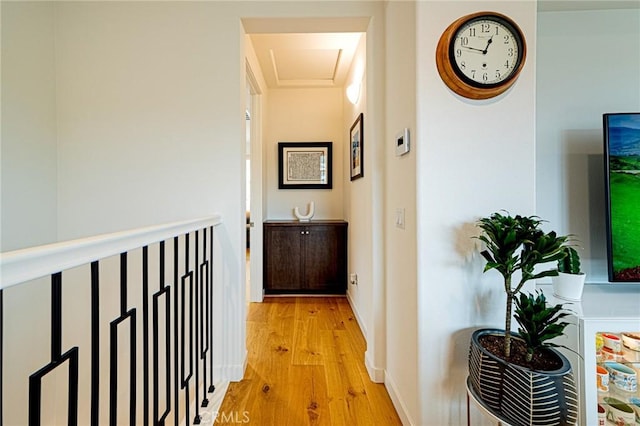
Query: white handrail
<point>27,264</point>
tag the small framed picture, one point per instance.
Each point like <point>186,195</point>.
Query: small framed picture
<point>356,138</point>
<point>305,165</point>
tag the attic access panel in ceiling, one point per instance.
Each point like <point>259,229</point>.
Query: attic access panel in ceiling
<point>305,64</point>
<point>305,59</point>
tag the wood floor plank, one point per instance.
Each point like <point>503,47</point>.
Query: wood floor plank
<point>284,309</point>
<point>350,324</point>
<point>330,316</point>
<point>345,383</point>
<point>268,389</point>
<point>260,314</point>
<point>308,405</point>
<point>306,343</point>
<point>305,366</point>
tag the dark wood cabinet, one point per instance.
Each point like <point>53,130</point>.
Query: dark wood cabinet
<point>306,257</point>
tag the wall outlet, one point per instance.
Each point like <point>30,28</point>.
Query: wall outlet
<point>400,218</point>
<point>353,279</point>
<point>402,142</point>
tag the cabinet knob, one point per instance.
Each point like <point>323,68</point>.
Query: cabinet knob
<point>301,232</point>
<point>307,232</point>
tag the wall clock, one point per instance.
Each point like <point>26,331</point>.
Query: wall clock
<point>480,55</point>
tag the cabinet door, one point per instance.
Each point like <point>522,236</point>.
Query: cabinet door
<point>592,354</point>
<point>283,257</point>
<point>324,262</point>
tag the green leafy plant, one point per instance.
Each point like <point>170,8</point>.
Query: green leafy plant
<point>570,263</point>
<point>516,243</point>
<point>538,322</point>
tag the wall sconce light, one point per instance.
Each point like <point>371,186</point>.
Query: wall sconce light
<point>353,92</point>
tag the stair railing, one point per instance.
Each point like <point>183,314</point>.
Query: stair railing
<point>114,329</point>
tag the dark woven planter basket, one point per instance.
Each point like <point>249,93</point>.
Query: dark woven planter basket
<point>520,396</point>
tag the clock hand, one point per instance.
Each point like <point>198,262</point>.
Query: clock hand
<point>484,52</point>
<point>473,48</point>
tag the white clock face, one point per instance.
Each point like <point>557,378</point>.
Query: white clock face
<point>485,52</point>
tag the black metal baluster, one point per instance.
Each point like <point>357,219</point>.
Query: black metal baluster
<point>166,292</point>
<point>196,420</point>
<point>72,419</point>
<point>56,316</point>
<point>212,388</point>
<point>113,376</point>
<point>204,315</point>
<point>145,335</point>
<point>95,343</point>
<point>57,358</point>
<point>124,315</point>
<point>178,378</point>
<point>185,378</point>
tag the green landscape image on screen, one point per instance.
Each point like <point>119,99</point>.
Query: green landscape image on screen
<point>625,218</point>
<point>624,193</point>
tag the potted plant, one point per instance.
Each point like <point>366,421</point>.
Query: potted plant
<point>569,282</point>
<point>498,372</point>
<point>517,244</point>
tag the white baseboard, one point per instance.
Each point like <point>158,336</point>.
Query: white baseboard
<point>363,328</point>
<point>376,375</point>
<point>397,401</point>
<point>209,413</point>
<point>231,372</point>
<point>379,375</point>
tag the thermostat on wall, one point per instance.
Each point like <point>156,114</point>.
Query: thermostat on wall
<point>402,142</point>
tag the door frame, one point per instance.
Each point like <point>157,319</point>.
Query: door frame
<point>256,292</point>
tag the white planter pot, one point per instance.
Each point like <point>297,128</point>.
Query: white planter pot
<point>568,286</point>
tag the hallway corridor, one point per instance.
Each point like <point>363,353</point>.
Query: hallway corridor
<point>305,366</point>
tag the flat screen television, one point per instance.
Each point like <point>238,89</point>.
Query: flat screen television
<point>622,174</point>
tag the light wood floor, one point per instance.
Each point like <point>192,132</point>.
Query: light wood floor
<point>305,367</point>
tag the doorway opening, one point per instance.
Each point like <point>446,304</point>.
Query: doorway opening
<point>303,67</point>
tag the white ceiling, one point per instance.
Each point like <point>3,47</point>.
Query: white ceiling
<point>294,57</point>
<point>305,59</point>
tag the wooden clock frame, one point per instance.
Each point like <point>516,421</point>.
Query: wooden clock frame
<point>445,62</point>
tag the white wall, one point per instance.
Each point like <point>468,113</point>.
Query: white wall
<point>364,201</point>
<point>143,135</point>
<point>473,158</point>
<point>400,189</point>
<point>357,195</point>
<point>304,115</point>
<point>588,64</point>
<point>29,159</point>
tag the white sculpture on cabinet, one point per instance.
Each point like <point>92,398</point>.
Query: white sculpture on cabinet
<point>305,217</point>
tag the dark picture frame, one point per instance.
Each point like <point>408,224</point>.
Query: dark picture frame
<point>305,165</point>
<point>356,145</point>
